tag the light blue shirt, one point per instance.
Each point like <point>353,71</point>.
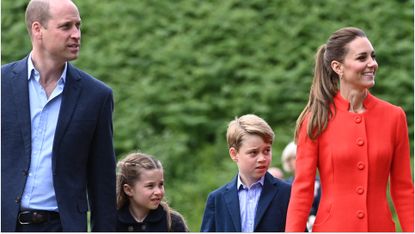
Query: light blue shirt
<point>39,192</point>
<point>248,202</point>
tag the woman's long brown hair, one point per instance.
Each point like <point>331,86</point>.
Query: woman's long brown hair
<point>325,82</point>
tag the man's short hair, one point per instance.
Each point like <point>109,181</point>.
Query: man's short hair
<point>37,10</point>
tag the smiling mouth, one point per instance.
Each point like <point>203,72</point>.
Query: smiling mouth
<point>369,73</point>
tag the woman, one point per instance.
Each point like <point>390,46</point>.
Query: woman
<point>355,140</point>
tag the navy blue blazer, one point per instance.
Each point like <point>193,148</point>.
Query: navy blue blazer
<point>83,159</point>
<point>222,208</point>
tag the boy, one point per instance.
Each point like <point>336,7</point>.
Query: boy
<point>254,201</point>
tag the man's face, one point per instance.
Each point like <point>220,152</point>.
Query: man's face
<point>61,37</point>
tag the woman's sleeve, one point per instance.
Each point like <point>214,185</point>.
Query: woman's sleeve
<point>302,192</point>
<point>401,186</point>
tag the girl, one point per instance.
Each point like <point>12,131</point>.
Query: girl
<point>140,192</point>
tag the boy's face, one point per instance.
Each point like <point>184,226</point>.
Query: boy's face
<point>253,158</point>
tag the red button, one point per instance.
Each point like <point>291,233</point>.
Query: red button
<point>357,119</point>
<point>360,190</point>
<point>360,142</point>
<point>360,214</point>
<point>360,165</point>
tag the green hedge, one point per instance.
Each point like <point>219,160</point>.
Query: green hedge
<point>181,70</point>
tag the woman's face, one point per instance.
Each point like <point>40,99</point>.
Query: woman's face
<point>358,69</point>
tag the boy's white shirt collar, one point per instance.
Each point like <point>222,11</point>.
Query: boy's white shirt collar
<point>239,183</point>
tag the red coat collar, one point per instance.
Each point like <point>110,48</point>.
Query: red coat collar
<point>344,105</point>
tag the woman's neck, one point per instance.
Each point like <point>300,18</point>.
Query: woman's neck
<point>356,99</point>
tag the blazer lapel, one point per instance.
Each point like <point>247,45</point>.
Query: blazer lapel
<point>20,91</point>
<point>232,203</point>
<point>70,96</point>
<point>269,191</point>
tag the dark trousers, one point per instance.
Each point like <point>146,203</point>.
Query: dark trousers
<point>52,225</point>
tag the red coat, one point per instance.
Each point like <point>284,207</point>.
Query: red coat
<point>355,156</point>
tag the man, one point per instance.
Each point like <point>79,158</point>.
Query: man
<point>56,131</point>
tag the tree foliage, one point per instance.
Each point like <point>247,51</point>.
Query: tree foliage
<point>181,70</point>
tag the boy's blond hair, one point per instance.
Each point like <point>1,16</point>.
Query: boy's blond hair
<point>249,124</point>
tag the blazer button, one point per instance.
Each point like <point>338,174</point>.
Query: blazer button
<point>25,172</point>
<point>357,119</point>
<point>18,199</point>
<point>360,190</point>
<point>360,165</point>
<point>130,228</point>
<point>360,214</point>
<point>360,141</point>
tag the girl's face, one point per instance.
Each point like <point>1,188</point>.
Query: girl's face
<point>253,158</point>
<point>359,66</point>
<point>147,193</point>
